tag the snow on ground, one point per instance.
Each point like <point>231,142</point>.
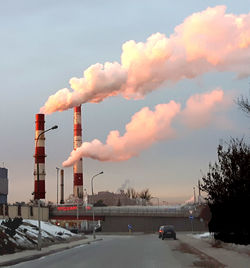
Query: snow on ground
<point>208,237</point>
<point>51,229</point>
<point>27,234</point>
<point>47,229</point>
<point>203,235</point>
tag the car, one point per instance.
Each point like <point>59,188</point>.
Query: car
<point>161,231</point>
<point>74,230</point>
<point>168,232</point>
<point>98,228</point>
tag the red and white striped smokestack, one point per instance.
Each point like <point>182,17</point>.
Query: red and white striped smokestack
<point>62,187</point>
<point>39,191</point>
<point>78,175</point>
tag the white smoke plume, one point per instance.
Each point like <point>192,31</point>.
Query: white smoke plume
<point>123,186</point>
<point>199,108</point>
<point>211,40</point>
<point>190,200</point>
<point>147,127</point>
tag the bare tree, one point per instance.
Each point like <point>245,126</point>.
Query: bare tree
<point>244,104</point>
<point>128,193</point>
<point>145,195</point>
<point>131,193</point>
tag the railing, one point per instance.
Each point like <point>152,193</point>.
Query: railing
<point>127,211</point>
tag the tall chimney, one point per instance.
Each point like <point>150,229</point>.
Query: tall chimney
<point>78,176</point>
<point>39,191</point>
<point>62,187</point>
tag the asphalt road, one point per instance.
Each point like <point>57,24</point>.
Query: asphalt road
<point>132,251</point>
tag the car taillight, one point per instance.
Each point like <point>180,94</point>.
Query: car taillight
<point>161,231</point>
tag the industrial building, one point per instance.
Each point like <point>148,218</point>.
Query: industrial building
<point>3,185</point>
<point>112,199</point>
<point>26,211</point>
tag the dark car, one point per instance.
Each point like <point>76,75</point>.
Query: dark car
<point>161,231</point>
<point>168,232</point>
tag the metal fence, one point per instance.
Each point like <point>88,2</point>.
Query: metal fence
<point>127,211</point>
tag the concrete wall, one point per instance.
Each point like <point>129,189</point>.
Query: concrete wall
<point>150,224</point>
<point>26,212</point>
<point>143,219</point>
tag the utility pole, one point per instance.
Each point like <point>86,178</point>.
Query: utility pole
<point>194,196</point>
<point>39,240</point>
<point>93,212</point>
<point>199,188</point>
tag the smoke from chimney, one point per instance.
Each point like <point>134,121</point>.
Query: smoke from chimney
<point>206,41</point>
<point>147,127</point>
<point>200,108</point>
<point>123,186</point>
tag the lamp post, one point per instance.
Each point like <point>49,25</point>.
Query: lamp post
<point>191,219</point>
<point>57,170</point>
<point>77,213</point>
<point>93,202</point>
<point>194,196</point>
<point>38,193</point>
<point>158,200</point>
<point>85,197</point>
<point>165,203</point>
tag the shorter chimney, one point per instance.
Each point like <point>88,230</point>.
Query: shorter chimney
<point>62,187</point>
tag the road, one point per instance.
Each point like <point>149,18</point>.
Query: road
<point>136,251</point>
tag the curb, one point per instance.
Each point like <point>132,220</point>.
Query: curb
<point>204,256</point>
<point>42,254</point>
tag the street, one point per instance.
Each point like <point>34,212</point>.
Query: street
<point>145,251</point>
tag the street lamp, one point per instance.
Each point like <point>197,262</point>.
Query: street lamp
<point>93,201</point>
<point>38,193</point>
<point>165,202</point>
<point>157,199</point>
<point>194,196</point>
<point>191,217</point>
<point>85,197</point>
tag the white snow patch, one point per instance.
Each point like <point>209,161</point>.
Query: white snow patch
<point>208,237</point>
<point>28,232</point>
<point>50,229</point>
<point>203,235</point>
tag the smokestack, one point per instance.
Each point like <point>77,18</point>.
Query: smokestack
<point>39,191</point>
<point>78,175</point>
<point>62,187</point>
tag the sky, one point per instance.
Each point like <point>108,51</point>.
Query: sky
<point>168,90</point>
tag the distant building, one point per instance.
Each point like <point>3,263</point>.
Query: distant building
<point>112,199</point>
<point>26,211</point>
<point>3,185</point>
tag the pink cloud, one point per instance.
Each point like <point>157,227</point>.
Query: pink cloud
<point>200,108</point>
<point>148,127</point>
<point>145,128</point>
<point>211,40</point>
